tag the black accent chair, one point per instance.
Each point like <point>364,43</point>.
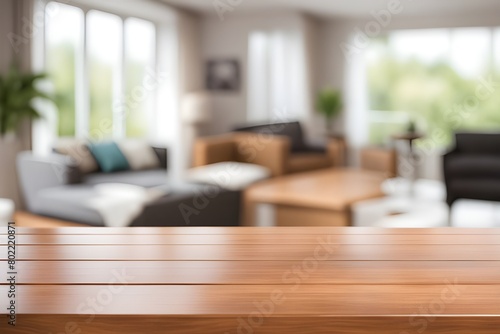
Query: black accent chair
<point>472,168</point>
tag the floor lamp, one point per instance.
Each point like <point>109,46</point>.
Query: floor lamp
<point>196,110</point>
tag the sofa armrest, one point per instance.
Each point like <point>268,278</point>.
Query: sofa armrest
<point>336,150</point>
<point>314,148</point>
<point>181,208</point>
<point>448,176</point>
<point>209,150</point>
<point>161,153</point>
<point>380,159</point>
<point>36,173</point>
<point>271,151</point>
<point>447,157</point>
<point>451,152</point>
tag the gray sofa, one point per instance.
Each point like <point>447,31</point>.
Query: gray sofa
<point>53,186</point>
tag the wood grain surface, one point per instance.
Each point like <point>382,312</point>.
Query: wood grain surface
<point>330,189</point>
<point>246,230</point>
<point>257,272</point>
<point>253,239</point>
<point>334,251</point>
<point>316,198</point>
<point>254,280</point>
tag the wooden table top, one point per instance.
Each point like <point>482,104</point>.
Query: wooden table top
<point>254,280</point>
<point>331,189</point>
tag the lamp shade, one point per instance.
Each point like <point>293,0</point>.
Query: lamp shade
<point>196,108</point>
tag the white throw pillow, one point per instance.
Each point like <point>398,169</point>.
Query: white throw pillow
<point>228,175</point>
<point>77,149</point>
<point>140,155</point>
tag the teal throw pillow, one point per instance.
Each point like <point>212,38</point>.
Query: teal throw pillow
<point>109,157</point>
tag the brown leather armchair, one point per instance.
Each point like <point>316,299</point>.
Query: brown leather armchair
<point>270,149</point>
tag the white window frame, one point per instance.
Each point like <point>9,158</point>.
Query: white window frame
<point>82,84</point>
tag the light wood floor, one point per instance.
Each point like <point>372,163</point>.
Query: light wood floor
<point>25,219</point>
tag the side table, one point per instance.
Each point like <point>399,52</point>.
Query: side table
<point>409,137</point>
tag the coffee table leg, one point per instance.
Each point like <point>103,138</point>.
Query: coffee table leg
<point>249,211</point>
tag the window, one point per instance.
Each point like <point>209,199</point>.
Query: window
<point>441,78</point>
<point>139,61</point>
<point>104,56</point>
<point>98,64</point>
<point>64,44</point>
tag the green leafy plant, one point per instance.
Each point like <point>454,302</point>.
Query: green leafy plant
<point>329,103</point>
<point>411,127</point>
<point>17,91</point>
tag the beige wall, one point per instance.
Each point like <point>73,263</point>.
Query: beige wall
<point>190,80</point>
<point>6,26</point>
<point>229,39</point>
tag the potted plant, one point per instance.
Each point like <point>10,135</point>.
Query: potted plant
<point>17,92</point>
<point>329,103</point>
<point>411,127</point>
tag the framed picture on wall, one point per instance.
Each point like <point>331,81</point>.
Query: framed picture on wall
<point>223,75</point>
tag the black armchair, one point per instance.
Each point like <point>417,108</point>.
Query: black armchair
<point>472,168</point>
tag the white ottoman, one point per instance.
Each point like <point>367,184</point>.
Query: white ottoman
<point>6,211</point>
<point>400,212</point>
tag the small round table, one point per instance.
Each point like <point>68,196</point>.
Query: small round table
<point>6,211</point>
<point>409,137</point>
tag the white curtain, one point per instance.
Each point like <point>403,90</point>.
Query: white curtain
<point>356,105</point>
<point>277,85</point>
<point>258,77</point>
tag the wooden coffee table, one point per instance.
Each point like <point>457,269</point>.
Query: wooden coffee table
<point>319,198</point>
<point>220,280</point>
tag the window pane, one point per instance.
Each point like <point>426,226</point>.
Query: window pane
<point>496,50</point>
<point>471,51</point>
<point>139,68</point>
<point>104,38</point>
<point>438,79</point>
<point>63,46</point>
<point>428,46</point>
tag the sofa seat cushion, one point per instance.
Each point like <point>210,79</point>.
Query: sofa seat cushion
<point>145,178</point>
<point>312,149</point>
<point>301,162</point>
<point>482,189</point>
<point>292,130</point>
<point>471,165</point>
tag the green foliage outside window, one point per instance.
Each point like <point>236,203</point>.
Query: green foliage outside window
<point>436,95</point>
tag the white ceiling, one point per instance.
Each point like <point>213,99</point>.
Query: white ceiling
<point>349,8</point>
